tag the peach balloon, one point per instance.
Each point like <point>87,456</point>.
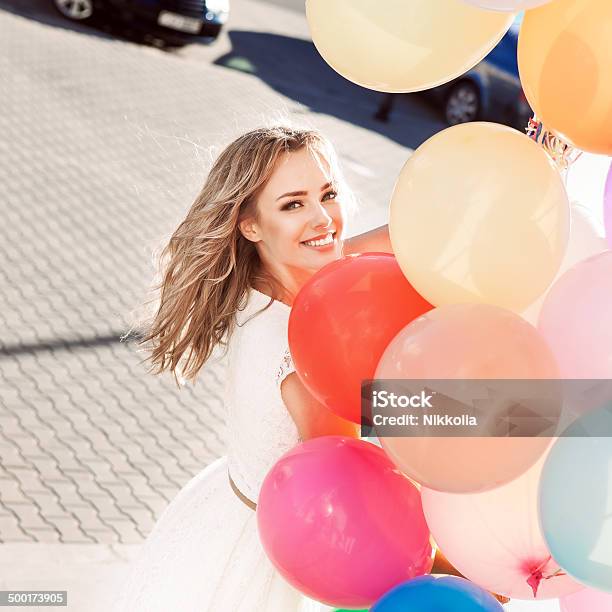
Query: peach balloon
<point>399,46</point>
<point>466,341</point>
<point>494,538</point>
<point>565,58</point>
<point>479,214</point>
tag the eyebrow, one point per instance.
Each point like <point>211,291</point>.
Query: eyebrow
<point>300,193</point>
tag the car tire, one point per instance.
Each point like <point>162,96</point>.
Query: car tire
<point>75,10</point>
<point>462,103</point>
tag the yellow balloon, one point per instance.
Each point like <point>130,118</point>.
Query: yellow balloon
<point>479,213</point>
<point>401,46</point>
<point>565,63</point>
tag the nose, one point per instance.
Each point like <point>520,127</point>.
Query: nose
<point>320,217</point>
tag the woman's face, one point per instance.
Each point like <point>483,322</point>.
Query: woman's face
<point>300,216</point>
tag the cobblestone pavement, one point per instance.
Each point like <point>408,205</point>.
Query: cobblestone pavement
<point>103,145</point>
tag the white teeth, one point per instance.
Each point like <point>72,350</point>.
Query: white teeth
<point>327,240</point>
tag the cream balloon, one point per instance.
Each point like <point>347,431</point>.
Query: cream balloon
<point>398,46</point>
<point>479,213</point>
<point>509,6</point>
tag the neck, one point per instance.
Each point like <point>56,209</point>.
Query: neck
<point>284,286</point>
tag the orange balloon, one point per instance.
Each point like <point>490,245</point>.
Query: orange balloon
<point>466,341</point>
<point>341,322</point>
<point>565,64</point>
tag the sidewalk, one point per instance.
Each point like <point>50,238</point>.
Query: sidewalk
<point>90,573</point>
<point>105,143</point>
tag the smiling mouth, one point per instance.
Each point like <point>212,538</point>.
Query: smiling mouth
<point>321,242</point>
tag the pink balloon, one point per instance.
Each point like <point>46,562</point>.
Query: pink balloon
<point>587,600</point>
<point>466,341</point>
<point>584,242</point>
<point>608,207</point>
<point>576,319</point>
<point>341,523</point>
<point>494,538</point>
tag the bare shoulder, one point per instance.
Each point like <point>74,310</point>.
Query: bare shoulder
<point>294,393</point>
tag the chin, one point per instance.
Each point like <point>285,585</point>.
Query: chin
<point>317,260</point>
<point>327,259</point>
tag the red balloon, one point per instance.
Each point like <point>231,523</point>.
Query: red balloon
<point>342,320</point>
<point>341,523</point>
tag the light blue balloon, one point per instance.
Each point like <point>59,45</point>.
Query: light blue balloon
<point>575,500</point>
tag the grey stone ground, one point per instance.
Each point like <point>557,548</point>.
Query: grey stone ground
<point>103,144</point>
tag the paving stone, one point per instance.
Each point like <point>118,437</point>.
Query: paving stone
<point>102,163</point>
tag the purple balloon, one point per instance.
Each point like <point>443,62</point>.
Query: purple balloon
<point>608,207</point>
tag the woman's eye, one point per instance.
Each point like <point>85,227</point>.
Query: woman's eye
<point>330,195</point>
<point>290,205</point>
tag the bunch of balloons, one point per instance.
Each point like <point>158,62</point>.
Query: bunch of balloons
<point>493,275</point>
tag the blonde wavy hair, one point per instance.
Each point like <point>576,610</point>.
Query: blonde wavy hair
<point>207,267</point>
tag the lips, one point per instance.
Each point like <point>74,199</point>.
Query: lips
<point>322,240</point>
<point>320,236</point>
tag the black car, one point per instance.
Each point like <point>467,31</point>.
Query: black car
<point>174,20</point>
<point>491,90</point>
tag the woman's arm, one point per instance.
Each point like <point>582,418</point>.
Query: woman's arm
<point>311,417</point>
<point>443,566</point>
<point>374,241</point>
<point>313,420</point>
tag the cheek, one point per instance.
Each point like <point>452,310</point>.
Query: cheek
<point>288,229</point>
<point>338,215</point>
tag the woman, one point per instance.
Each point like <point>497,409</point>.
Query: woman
<point>271,213</point>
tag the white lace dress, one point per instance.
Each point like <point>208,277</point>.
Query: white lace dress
<point>204,552</point>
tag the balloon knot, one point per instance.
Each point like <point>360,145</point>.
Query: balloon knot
<point>562,153</point>
<point>537,575</point>
<point>534,580</point>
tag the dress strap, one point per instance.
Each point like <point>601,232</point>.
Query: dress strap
<point>285,368</point>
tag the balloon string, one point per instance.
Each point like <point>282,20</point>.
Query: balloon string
<point>559,572</point>
<point>537,575</point>
<point>562,153</point>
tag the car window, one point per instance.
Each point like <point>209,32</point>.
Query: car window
<point>504,55</point>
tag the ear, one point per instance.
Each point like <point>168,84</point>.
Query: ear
<point>249,229</point>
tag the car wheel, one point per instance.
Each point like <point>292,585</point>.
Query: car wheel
<point>462,103</point>
<point>77,10</point>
